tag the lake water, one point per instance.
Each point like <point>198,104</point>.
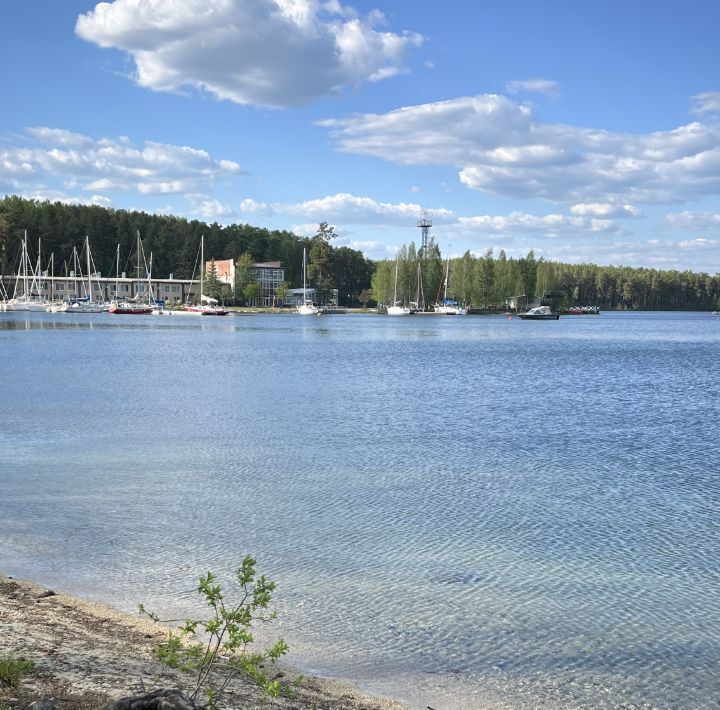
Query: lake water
<point>459,512</point>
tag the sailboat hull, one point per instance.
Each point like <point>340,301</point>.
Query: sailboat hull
<point>398,311</point>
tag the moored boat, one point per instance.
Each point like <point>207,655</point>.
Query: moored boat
<point>539,313</point>
<point>307,307</point>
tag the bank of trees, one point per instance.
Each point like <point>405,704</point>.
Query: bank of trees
<point>491,281</point>
<point>486,281</point>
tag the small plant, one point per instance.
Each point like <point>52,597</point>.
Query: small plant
<point>223,652</point>
<point>12,668</point>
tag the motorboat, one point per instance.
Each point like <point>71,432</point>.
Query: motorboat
<point>539,313</point>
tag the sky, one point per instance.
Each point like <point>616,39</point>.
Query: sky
<point>588,132</point>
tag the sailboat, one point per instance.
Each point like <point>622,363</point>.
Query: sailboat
<point>418,305</point>
<point>395,309</point>
<point>307,307</point>
<point>205,306</point>
<point>30,299</point>
<point>449,306</point>
<point>86,303</point>
<point>56,305</point>
<point>130,306</point>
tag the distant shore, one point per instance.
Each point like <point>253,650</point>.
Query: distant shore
<point>86,654</point>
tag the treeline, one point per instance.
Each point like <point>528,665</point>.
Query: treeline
<point>173,242</point>
<point>487,281</point>
<point>492,282</point>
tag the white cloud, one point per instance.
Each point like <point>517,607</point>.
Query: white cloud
<point>694,221</point>
<point>349,209</point>
<point>272,53</point>
<point>698,244</point>
<point>605,210</point>
<point>210,208</point>
<point>109,164</point>
<point>534,86</point>
<point>706,102</point>
<point>550,225</point>
<point>498,147</point>
<point>250,206</point>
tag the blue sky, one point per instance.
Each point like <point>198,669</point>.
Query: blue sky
<point>586,132</point>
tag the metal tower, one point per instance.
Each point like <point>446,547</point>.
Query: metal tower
<point>424,225</point>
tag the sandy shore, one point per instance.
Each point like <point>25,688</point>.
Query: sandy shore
<point>87,654</point>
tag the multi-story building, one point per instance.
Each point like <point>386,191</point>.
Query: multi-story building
<point>268,275</point>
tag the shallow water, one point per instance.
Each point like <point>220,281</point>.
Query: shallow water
<point>459,512</point>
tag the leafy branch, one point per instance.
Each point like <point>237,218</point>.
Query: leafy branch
<point>223,652</point>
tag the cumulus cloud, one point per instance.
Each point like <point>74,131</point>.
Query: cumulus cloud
<point>209,208</point>
<point>550,225</point>
<point>347,208</point>
<point>534,86</point>
<point>605,210</point>
<point>109,164</point>
<point>272,53</point>
<point>498,147</point>
<point>706,102</point>
<point>694,220</point>
<point>698,244</point>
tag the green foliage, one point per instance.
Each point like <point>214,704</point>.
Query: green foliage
<point>217,649</point>
<point>13,668</point>
<point>251,292</point>
<point>213,286</point>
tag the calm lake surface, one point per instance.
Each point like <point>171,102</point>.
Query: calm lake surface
<point>459,512</point>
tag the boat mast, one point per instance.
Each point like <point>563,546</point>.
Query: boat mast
<point>117,276</point>
<point>87,258</point>
<point>447,275</point>
<point>139,267</point>
<point>202,267</point>
<point>397,259</point>
<point>25,266</point>
<point>304,272</point>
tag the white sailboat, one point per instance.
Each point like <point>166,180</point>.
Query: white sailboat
<point>205,306</point>
<point>86,303</point>
<point>27,296</point>
<point>418,305</point>
<point>397,309</point>
<point>449,306</point>
<point>307,307</point>
<point>57,305</point>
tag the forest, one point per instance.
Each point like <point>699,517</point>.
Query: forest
<point>496,282</point>
<point>490,281</point>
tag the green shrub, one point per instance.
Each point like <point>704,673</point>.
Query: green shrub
<point>12,668</point>
<point>225,637</point>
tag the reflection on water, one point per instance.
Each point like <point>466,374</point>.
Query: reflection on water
<point>459,512</point>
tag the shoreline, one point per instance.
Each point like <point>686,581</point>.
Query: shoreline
<point>86,654</point>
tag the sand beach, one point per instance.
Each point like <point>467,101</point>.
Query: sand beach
<point>87,654</point>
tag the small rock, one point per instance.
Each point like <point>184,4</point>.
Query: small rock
<point>45,594</point>
<point>43,704</point>
<point>165,699</point>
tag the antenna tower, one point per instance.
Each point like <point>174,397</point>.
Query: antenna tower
<point>424,225</point>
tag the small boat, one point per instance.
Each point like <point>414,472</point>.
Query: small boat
<point>30,280</point>
<point>539,313</point>
<point>205,305</point>
<point>130,306</point>
<point>449,306</point>
<point>307,307</point>
<point>397,308</point>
